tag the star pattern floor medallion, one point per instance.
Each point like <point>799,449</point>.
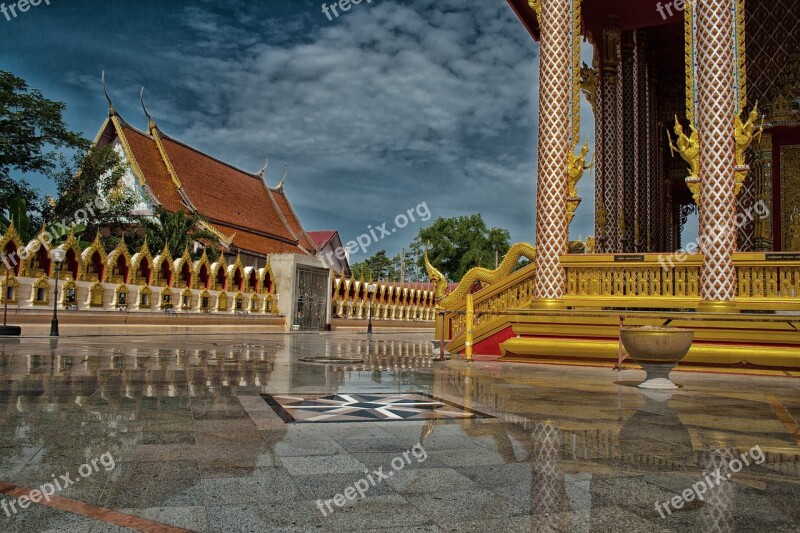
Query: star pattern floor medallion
<point>365,407</point>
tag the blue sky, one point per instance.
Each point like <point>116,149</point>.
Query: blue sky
<point>389,105</point>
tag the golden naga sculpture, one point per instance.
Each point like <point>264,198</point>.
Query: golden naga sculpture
<point>745,133</point>
<point>436,277</point>
<point>490,277</point>
<point>536,5</point>
<point>689,149</point>
<point>575,168</point>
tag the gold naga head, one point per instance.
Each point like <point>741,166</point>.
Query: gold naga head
<point>435,276</point>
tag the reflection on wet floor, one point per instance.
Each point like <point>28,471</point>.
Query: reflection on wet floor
<point>570,449</point>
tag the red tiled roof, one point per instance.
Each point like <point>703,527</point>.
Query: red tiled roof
<point>223,193</point>
<point>257,243</point>
<point>155,172</point>
<point>232,200</point>
<point>291,219</point>
<point>321,238</point>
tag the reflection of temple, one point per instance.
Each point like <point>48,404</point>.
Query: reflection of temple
<point>590,453</point>
<point>695,110</point>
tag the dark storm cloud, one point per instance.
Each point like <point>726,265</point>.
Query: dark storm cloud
<point>389,105</point>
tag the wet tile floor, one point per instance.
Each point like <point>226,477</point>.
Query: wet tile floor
<point>195,447</point>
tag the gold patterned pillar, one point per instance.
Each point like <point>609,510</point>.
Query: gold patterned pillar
<point>555,103</point>
<point>716,105</point>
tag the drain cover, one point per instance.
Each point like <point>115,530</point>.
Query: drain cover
<point>330,360</point>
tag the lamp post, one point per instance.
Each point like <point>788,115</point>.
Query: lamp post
<point>371,291</point>
<point>57,255</point>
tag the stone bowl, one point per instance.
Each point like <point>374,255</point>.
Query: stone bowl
<point>658,350</point>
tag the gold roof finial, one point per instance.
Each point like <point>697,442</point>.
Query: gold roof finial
<point>151,124</point>
<point>111,111</point>
<point>263,172</point>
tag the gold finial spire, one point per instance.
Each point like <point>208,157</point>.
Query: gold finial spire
<point>111,111</point>
<point>151,124</point>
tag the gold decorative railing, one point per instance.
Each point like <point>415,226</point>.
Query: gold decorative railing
<point>514,292</point>
<point>632,280</point>
<point>766,282</point>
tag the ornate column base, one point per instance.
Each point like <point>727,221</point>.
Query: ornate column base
<point>549,304</point>
<point>717,306</point>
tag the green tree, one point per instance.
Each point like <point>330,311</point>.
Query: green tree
<point>33,138</point>
<point>94,195</point>
<point>458,244</point>
<point>179,230</point>
<point>379,266</point>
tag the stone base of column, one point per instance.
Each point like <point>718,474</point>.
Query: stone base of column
<point>549,304</point>
<point>717,306</point>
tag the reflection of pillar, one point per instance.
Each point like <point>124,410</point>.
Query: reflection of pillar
<point>718,513</point>
<point>555,103</point>
<point>715,112</point>
<point>547,481</point>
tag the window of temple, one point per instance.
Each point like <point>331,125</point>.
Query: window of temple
<point>203,277</point>
<point>96,295</point>
<point>119,274</point>
<point>186,276</point>
<point>143,272</point>
<point>239,303</point>
<point>95,268</point>
<point>222,302</point>
<point>69,295</point>
<point>70,264</point>
<point>122,298</point>
<point>254,304</point>
<point>40,264</point>
<point>144,300</point>
<point>41,296</point>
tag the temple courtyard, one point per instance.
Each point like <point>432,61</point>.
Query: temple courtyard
<point>275,432</point>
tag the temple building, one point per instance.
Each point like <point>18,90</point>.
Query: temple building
<point>696,110</point>
<point>250,218</point>
<point>270,268</point>
<point>331,250</point>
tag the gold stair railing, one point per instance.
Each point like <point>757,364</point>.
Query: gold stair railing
<point>766,282</point>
